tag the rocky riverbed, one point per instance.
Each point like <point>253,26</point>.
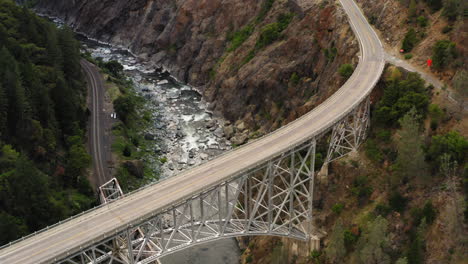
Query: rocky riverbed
<point>184,131</point>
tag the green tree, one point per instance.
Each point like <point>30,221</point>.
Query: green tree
<point>125,107</point>
<point>3,111</point>
<point>460,84</point>
<point>443,53</point>
<point>11,228</point>
<point>452,9</point>
<point>435,5</point>
<point>114,67</point>
<point>374,243</point>
<point>335,249</point>
<point>452,144</point>
<point>78,161</point>
<point>410,40</point>
<point>410,160</point>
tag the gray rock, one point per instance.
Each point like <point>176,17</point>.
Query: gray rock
<point>239,139</point>
<point>219,132</point>
<point>203,156</point>
<point>149,136</point>
<point>229,131</point>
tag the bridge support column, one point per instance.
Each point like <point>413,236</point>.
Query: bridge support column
<point>349,133</point>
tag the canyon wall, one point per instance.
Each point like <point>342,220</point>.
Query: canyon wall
<point>265,88</point>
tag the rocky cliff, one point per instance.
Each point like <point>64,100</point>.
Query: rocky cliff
<point>262,62</point>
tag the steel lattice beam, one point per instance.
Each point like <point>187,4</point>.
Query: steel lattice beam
<point>274,199</point>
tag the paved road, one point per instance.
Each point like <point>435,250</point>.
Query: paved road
<point>82,231</point>
<point>98,141</point>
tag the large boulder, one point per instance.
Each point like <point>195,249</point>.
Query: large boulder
<point>135,168</point>
<point>239,139</point>
<point>229,131</point>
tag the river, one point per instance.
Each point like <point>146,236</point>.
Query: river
<point>186,133</point>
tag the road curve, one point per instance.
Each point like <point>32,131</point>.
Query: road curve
<point>97,138</point>
<point>104,221</point>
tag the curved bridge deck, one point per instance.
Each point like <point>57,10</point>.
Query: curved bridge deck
<point>104,222</point>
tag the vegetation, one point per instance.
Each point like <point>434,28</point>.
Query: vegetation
<point>410,40</point>
<point>43,118</point>
<point>400,96</point>
<point>346,70</point>
<point>373,245</point>
<point>443,54</point>
<point>335,249</point>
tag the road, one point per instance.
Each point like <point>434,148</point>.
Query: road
<point>92,226</point>
<point>98,141</point>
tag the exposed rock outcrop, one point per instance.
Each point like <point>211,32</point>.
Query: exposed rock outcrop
<point>192,38</point>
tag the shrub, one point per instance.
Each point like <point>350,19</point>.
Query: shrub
<point>382,209</point>
<point>267,5</point>
<point>127,151</point>
<point>422,21</point>
<point>397,202</point>
<point>294,79</point>
<point>434,4</point>
<point>408,56</point>
<point>239,37</point>
<point>372,151</point>
<point>346,70</point>
<point>350,239</point>
<point>268,35</point>
<point>447,29</point>
<point>338,208</point>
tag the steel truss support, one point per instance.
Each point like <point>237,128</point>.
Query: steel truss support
<point>273,199</point>
<point>110,191</point>
<point>349,133</point>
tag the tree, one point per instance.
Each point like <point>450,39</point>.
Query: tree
<point>460,84</point>
<point>410,40</point>
<point>435,5</point>
<point>402,261</point>
<point>373,243</point>
<point>452,144</point>
<point>11,228</point>
<point>114,67</point>
<point>3,110</point>
<point>125,107</point>
<point>443,53</point>
<point>335,249</point>
<point>410,160</point>
<point>452,9</point>
<point>78,161</point>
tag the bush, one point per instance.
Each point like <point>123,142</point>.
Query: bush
<point>382,209</point>
<point>127,151</point>
<point>446,29</point>
<point>408,56</point>
<point>294,79</point>
<point>346,70</point>
<point>350,239</point>
<point>434,4</point>
<point>373,152</point>
<point>397,202</point>
<point>239,37</point>
<point>268,35</point>
<point>422,21</point>
<point>338,208</point>
<point>267,5</point>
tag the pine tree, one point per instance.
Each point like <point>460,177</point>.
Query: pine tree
<point>373,243</point>
<point>410,160</point>
<point>3,110</point>
<point>336,249</point>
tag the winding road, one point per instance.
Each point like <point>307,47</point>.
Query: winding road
<point>70,236</point>
<point>98,141</point>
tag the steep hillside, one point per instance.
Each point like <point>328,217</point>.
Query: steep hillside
<point>264,62</point>
<point>420,27</point>
<point>43,118</point>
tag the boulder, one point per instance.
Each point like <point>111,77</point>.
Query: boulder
<point>149,136</point>
<point>229,131</point>
<point>239,139</point>
<point>135,168</point>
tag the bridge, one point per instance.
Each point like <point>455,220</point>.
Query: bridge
<point>262,188</point>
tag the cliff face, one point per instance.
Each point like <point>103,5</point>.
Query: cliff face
<point>193,39</point>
